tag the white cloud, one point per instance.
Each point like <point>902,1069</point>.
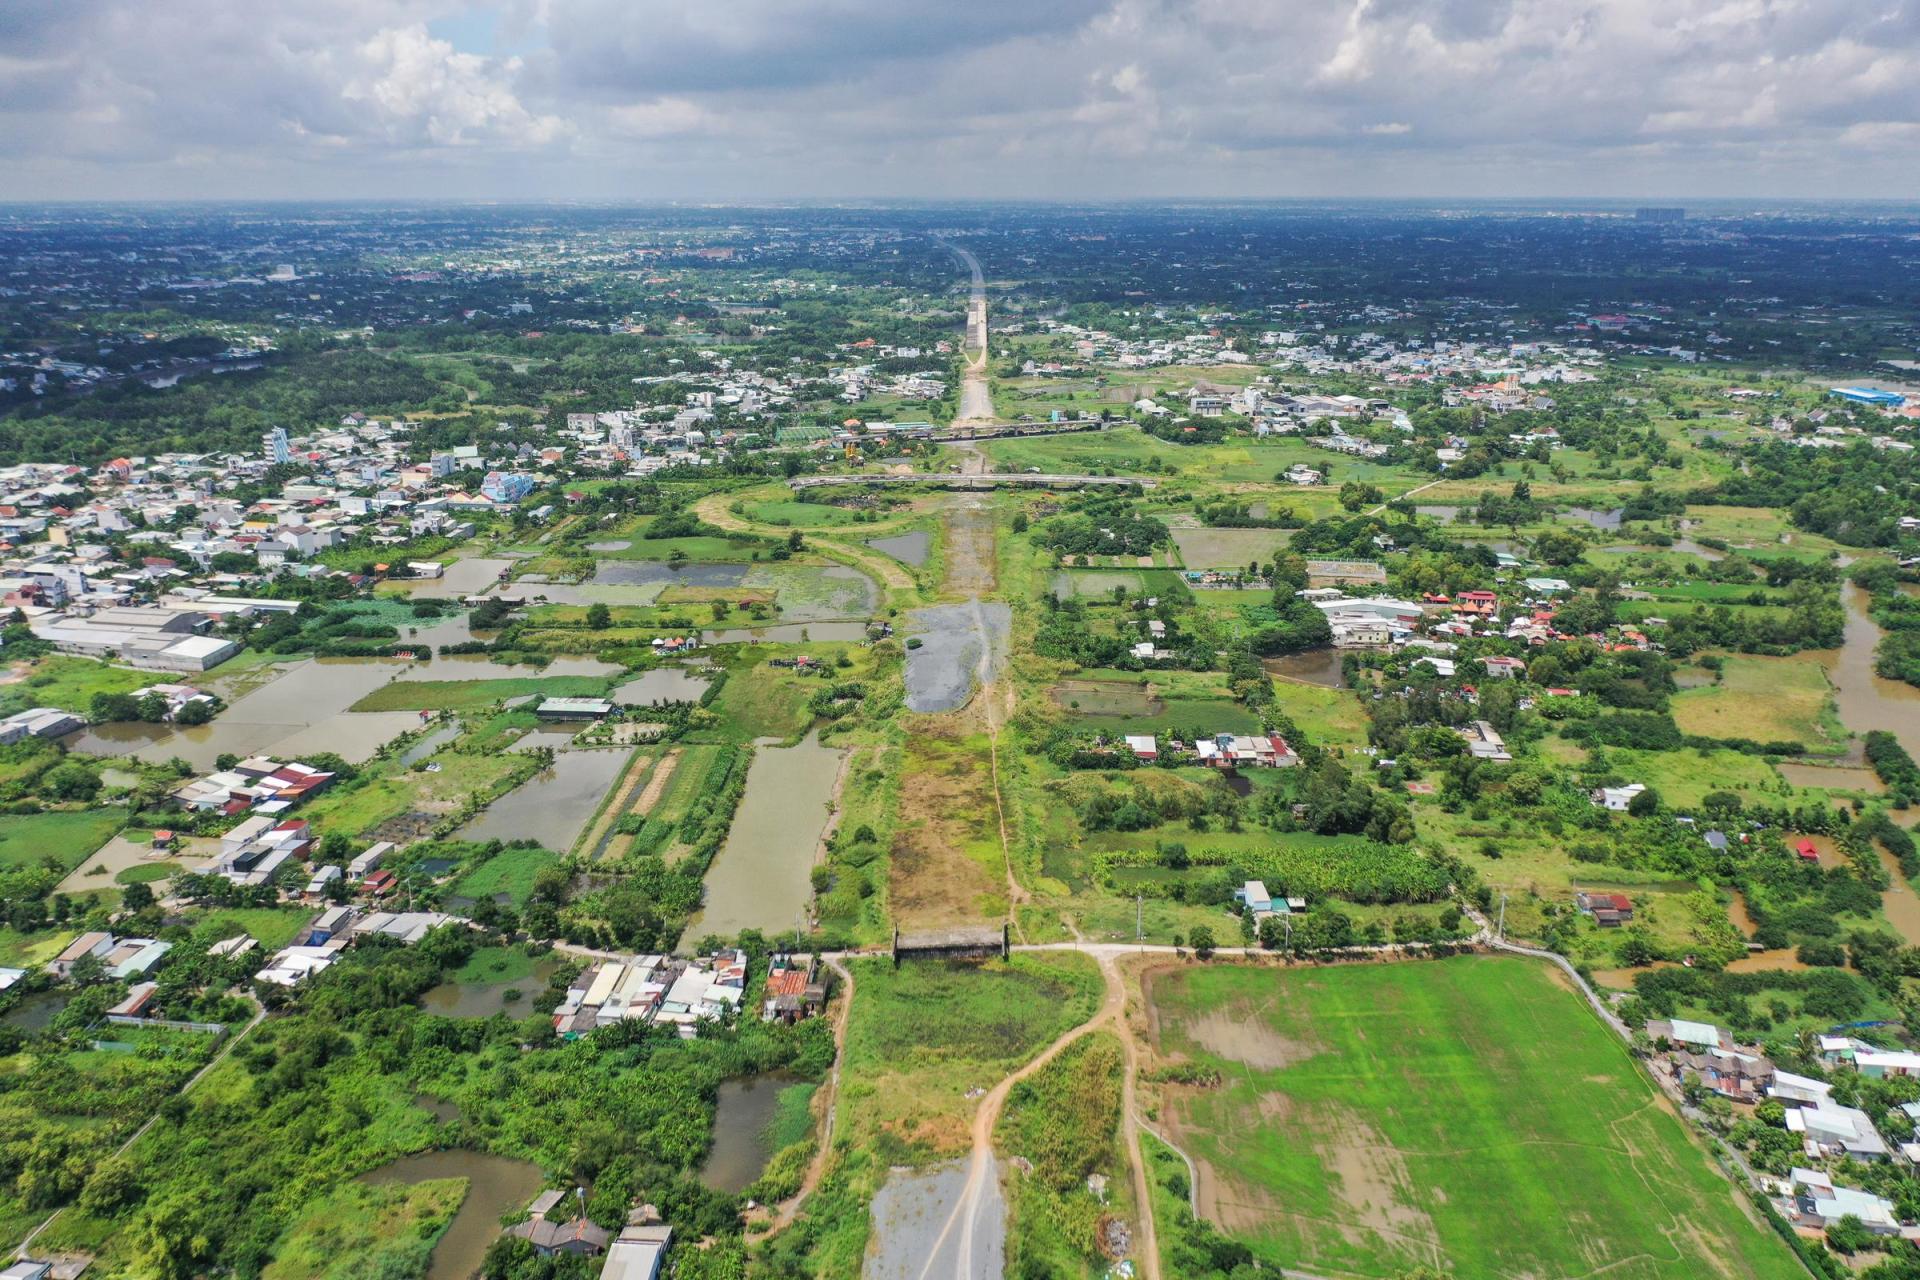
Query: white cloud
<point>1006,97</point>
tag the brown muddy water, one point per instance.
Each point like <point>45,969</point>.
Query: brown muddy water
<point>1316,666</point>
<point>302,709</point>
<point>662,684</point>
<point>1868,701</point>
<point>553,807</point>
<point>495,1186</point>
<point>484,999</point>
<point>760,879</point>
<point>1831,777</point>
<point>908,548</point>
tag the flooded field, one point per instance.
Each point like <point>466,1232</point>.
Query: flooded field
<point>789,633</point>
<point>1228,548</point>
<point>1107,698</point>
<point>759,880</point>
<point>908,548</point>
<point>742,1118</point>
<point>484,999</point>
<point>1868,701</point>
<point>554,806</point>
<point>1316,666</point>
<point>463,578</point>
<point>958,642</point>
<point>910,1216</point>
<point>816,593</point>
<point>662,684</point>
<point>1832,777</point>
<point>1900,902</point>
<point>1444,514</point>
<point>649,573</point>
<point>302,709</point>
<point>495,1186</point>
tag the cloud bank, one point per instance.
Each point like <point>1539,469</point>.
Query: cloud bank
<point>652,99</point>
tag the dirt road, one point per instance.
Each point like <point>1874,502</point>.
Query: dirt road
<point>954,1250</point>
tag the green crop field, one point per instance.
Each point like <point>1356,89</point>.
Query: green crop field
<point>1469,1114</point>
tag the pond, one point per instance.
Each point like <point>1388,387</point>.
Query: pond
<point>911,1211</point>
<point>495,1186</point>
<point>1866,700</point>
<point>1324,667</point>
<point>1598,519</point>
<point>430,742</point>
<point>742,1131</point>
<point>36,1012</point>
<point>463,578</point>
<point>908,548</point>
<point>484,999</point>
<point>959,643</point>
<point>1444,514</point>
<point>662,684</point>
<point>760,878</point>
<point>812,593</point>
<point>553,806</point>
<point>1107,698</point>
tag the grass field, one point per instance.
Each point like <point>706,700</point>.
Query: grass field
<point>364,804</point>
<point>1371,1119</point>
<point>27,839</point>
<point>470,695</point>
<point>511,871</point>
<point>1766,699</point>
<point>69,683</point>
<point>363,1231</point>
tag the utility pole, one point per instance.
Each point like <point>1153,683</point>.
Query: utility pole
<point>1139,918</point>
<point>1500,931</point>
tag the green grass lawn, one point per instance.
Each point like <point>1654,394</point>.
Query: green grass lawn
<point>495,964</point>
<point>69,683</point>
<point>470,695</point>
<point>273,927</point>
<point>511,871</point>
<point>1469,1114</point>
<point>67,838</point>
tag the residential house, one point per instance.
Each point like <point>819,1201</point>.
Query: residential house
<point>1608,910</point>
<point>550,1234</point>
<point>1813,1200</point>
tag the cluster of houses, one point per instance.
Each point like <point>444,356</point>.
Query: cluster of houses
<point>1226,751</point>
<point>657,989</point>
<point>258,784</point>
<point>1699,1052</point>
<point>316,947</point>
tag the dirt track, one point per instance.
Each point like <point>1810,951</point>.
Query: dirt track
<point>883,569</point>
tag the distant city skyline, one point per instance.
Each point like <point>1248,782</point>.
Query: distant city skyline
<point>1097,99</point>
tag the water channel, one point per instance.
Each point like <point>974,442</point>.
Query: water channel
<point>760,879</point>
<point>495,1186</point>
<point>742,1120</point>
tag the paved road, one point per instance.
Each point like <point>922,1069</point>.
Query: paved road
<point>976,395</point>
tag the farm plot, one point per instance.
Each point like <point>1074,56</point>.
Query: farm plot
<point>1367,1120</point>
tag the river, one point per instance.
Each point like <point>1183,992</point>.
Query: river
<point>1868,701</point>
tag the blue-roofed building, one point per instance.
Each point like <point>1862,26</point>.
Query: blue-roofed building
<point>1874,397</point>
<point>506,486</point>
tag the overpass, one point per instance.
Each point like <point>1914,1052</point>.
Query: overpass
<point>951,480</point>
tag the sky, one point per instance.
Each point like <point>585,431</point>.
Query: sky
<point>994,99</point>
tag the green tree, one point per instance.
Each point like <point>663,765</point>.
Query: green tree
<point>1644,803</point>
<point>599,617</point>
<point>1202,941</point>
<point>71,781</point>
